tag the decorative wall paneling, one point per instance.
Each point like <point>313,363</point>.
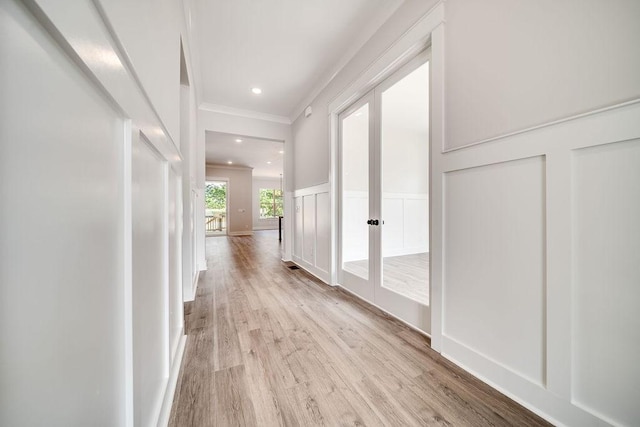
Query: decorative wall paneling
<point>111,357</point>
<point>312,225</point>
<point>63,289</point>
<point>540,265</point>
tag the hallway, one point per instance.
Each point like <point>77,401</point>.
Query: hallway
<point>272,346</point>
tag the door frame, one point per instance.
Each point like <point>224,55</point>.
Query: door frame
<point>372,289</point>
<point>428,31</point>
<point>392,301</point>
<point>226,206</point>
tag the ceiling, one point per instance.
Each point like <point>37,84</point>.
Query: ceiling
<point>288,48</point>
<point>250,152</point>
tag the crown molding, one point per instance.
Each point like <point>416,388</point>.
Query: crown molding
<point>223,109</point>
<point>354,47</point>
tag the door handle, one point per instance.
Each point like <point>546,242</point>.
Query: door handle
<point>373,222</point>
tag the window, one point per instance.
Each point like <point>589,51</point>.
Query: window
<point>270,203</point>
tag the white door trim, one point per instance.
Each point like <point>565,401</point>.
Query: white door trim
<point>427,32</point>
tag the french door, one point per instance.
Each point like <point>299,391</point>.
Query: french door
<point>384,195</point>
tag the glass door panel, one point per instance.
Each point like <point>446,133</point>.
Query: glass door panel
<point>404,138</point>
<point>355,135</point>
<point>384,195</point>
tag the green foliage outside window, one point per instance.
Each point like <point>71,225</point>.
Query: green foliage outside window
<point>270,203</point>
<point>215,195</point>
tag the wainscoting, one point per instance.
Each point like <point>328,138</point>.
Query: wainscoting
<point>312,230</point>
<point>103,340</point>
<point>536,270</point>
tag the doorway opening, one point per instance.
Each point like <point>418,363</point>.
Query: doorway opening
<point>215,199</point>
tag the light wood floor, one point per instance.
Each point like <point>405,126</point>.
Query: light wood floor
<point>407,275</point>
<point>271,346</point>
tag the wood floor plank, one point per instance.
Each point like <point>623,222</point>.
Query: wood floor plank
<point>233,406</point>
<point>195,383</point>
<point>272,346</point>
<point>226,350</point>
<point>275,372</point>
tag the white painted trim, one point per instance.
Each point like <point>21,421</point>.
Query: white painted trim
<point>426,32</point>
<point>555,401</point>
<point>436,182</point>
<point>334,199</point>
<point>265,228</point>
<point>165,266</point>
<point>240,233</point>
<point>544,125</point>
<point>119,82</point>
<point>191,295</point>
<point>470,362</point>
<point>172,382</point>
<point>288,231</point>
<point>129,64</point>
<point>420,331</point>
<point>311,269</point>
<point>364,34</point>
<point>249,114</point>
<point>316,189</point>
<point>128,273</point>
<point>402,50</point>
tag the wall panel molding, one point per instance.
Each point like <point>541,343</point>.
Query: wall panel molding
<point>547,124</point>
<point>111,69</point>
<point>587,226</point>
<point>312,207</point>
<point>606,280</point>
<point>86,43</point>
<point>494,287</point>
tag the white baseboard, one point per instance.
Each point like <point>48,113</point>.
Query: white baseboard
<point>240,233</point>
<point>190,295</point>
<point>313,270</point>
<point>172,382</point>
<point>420,331</point>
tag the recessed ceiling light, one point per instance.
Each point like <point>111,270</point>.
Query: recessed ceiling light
<point>238,140</point>
<point>281,152</point>
<point>268,163</point>
<point>229,162</point>
<point>256,90</point>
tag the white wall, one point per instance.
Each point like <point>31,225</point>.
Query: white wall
<point>511,65</point>
<point>263,223</point>
<point>61,264</point>
<point>240,199</point>
<point>534,257</point>
<point>539,255</point>
<point>311,135</point>
<point>151,44</point>
<point>91,172</point>
<point>189,256</point>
